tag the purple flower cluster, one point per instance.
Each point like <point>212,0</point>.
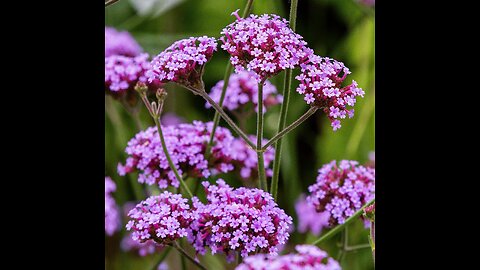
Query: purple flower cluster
<point>242,219</point>
<point>183,61</point>
<point>263,44</point>
<point>320,82</point>
<point>143,249</point>
<point>342,190</point>
<point>186,144</point>
<point>120,43</point>
<point>246,161</point>
<point>112,217</point>
<point>163,218</point>
<point>309,220</point>
<point>123,72</point>
<point>308,257</point>
<point>243,90</point>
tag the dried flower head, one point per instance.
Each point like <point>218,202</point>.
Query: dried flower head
<point>112,217</point>
<point>186,144</point>
<point>238,220</point>
<point>307,257</point>
<point>183,62</point>
<point>342,190</point>
<point>242,91</point>
<point>263,44</point>
<point>163,219</point>
<point>120,43</point>
<point>321,84</point>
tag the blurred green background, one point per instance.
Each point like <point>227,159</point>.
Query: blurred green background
<point>341,29</point>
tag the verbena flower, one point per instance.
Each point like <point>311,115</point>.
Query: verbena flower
<point>163,218</point>
<point>143,249</point>
<point>369,212</point>
<point>112,217</point>
<point>238,220</point>
<point>342,189</point>
<point>245,159</point>
<point>186,144</point>
<point>183,62</point>
<point>242,91</point>
<point>120,43</point>
<point>123,72</point>
<point>263,44</point>
<point>321,83</point>
<point>309,220</point>
<point>171,119</point>
<point>307,257</point>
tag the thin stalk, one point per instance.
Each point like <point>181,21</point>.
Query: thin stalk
<point>337,229</point>
<point>156,117</point>
<point>226,79</point>
<point>170,162</point>
<point>372,239</point>
<point>110,2</point>
<point>292,126</point>
<point>262,179</point>
<point>186,255</point>
<point>162,258</point>
<point>283,109</point>
<point>227,119</point>
<point>357,247</point>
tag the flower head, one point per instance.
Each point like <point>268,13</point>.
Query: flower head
<point>163,218</point>
<point>183,61</point>
<point>186,144</point>
<point>307,257</point>
<point>112,217</point>
<point>342,189</point>
<point>369,212</point>
<point>123,72</point>
<point>245,159</point>
<point>241,219</point>
<point>120,43</point>
<point>309,220</point>
<point>242,90</point>
<point>142,249</point>
<point>321,83</point>
<point>263,44</point>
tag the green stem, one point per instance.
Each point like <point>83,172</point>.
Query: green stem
<point>227,119</point>
<point>283,110</point>
<point>186,255</point>
<point>292,126</point>
<point>162,258</point>
<point>226,79</point>
<point>170,162</point>
<point>261,163</point>
<point>156,117</point>
<point>356,247</point>
<point>337,229</point>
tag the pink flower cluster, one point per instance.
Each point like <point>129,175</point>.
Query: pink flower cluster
<point>122,72</point>
<point>183,61</point>
<point>308,257</point>
<point>342,190</point>
<point>263,44</point>
<point>163,218</point>
<point>242,90</point>
<point>320,82</point>
<point>245,159</point>
<point>309,220</point>
<point>112,217</point>
<point>120,43</point>
<point>238,220</point>
<point>143,249</point>
<point>186,144</point>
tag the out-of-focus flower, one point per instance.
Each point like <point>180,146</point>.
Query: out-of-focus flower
<point>112,217</point>
<point>309,220</point>
<point>245,159</point>
<point>120,43</point>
